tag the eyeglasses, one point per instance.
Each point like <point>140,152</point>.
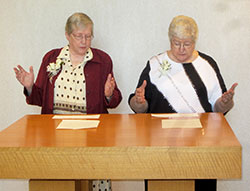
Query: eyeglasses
<point>79,37</point>
<point>185,44</point>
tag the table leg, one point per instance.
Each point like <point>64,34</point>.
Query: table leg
<point>169,185</point>
<point>59,185</point>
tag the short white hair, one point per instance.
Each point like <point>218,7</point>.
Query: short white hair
<point>183,27</point>
<point>78,20</point>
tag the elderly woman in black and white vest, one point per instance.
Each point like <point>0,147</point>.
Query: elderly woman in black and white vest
<point>182,79</point>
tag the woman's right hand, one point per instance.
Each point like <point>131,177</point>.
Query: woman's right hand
<point>138,102</point>
<point>140,93</point>
<point>24,77</point>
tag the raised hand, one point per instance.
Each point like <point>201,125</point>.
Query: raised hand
<point>225,102</point>
<point>109,86</point>
<point>140,93</point>
<point>227,97</point>
<point>24,77</point>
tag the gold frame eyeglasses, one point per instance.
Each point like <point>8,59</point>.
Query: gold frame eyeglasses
<point>80,37</point>
<point>179,44</point>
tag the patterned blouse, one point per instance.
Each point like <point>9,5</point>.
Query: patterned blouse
<point>70,89</point>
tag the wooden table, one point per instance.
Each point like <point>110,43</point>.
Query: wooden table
<point>123,147</point>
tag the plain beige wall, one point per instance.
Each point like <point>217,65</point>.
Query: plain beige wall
<point>131,32</point>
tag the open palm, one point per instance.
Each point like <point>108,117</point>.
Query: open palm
<point>24,77</point>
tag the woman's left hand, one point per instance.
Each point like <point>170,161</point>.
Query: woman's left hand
<point>109,86</point>
<point>227,97</point>
<point>225,102</point>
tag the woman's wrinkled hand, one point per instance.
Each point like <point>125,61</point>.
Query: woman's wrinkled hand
<point>24,77</point>
<point>140,93</point>
<point>227,97</point>
<point>226,102</point>
<point>109,86</point>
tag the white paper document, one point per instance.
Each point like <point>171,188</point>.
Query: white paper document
<point>76,117</point>
<point>181,123</point>
<point>175,115</point>
<point>78,124</point>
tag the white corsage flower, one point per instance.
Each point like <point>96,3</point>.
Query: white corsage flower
<point>164,67</point>
<point>53,68</point>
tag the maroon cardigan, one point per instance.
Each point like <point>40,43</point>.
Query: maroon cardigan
<point>95,71</point>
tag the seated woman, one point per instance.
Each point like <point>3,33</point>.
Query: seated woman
<point>182,80</point>
<point>74,79</point>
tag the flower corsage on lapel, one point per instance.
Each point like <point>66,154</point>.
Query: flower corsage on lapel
<point>164,67</point>
<point>54,67</point>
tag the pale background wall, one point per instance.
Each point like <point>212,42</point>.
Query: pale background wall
<point>131,32</point>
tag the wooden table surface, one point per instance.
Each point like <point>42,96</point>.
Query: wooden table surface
<point>124,146</point>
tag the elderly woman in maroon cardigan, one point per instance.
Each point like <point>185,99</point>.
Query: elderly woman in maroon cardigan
<point>74,79</point>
